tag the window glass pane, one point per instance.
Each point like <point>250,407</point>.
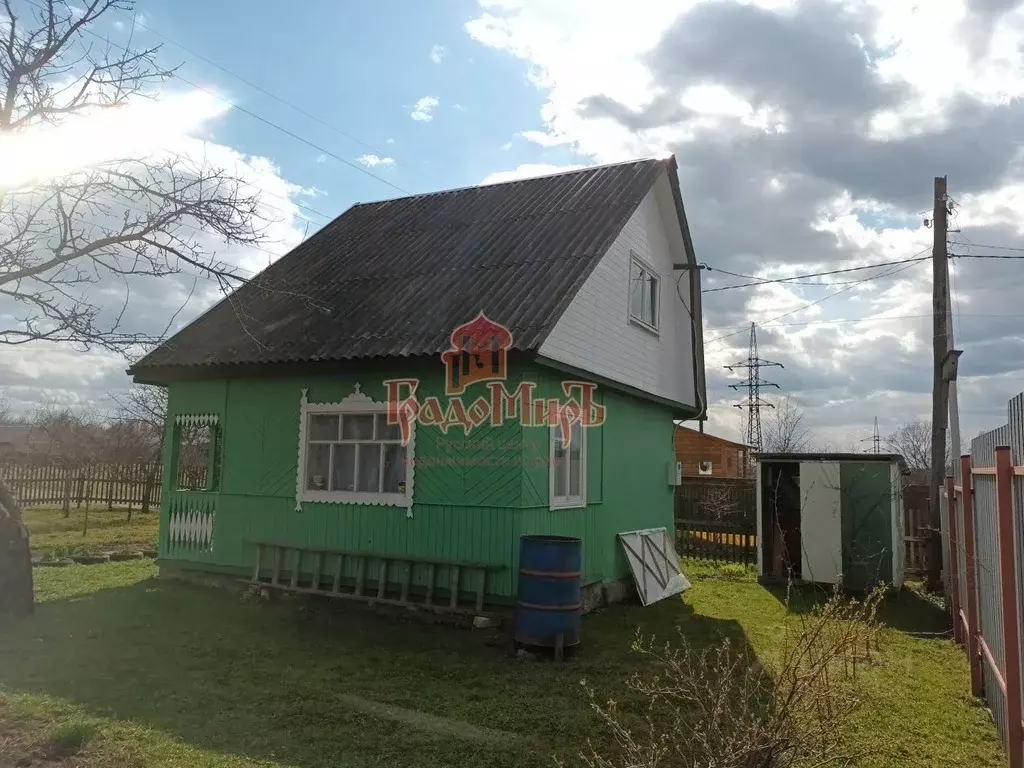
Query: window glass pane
<point>318,465</point>
<point>636,292</point>
<point>357,426</point>
<point>343,473</point>
<point>368,467</point>
<point>195,446</point>
<point>558,467</point>
<point>394,468</point>
<point>575,461</point>
<point>652,301</point>
<point>387,431</point>
<point>323,427</point>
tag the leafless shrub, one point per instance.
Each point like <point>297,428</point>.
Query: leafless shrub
<point>719,502</point>
<point>719,707</point>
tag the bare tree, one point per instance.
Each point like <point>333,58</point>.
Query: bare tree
<point>111,221</point>
<point>144,408</point>
<point>785,430</point>
<point>913,441</point>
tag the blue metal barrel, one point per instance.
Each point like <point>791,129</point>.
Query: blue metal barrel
<point>548,602</point>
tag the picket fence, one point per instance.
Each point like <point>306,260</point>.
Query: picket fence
<point>985,532</point>
<point>131,485</point>
<point>716,519</point>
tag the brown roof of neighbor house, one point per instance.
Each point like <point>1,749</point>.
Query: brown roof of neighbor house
<point>709,436</point>
<point>395,277</point>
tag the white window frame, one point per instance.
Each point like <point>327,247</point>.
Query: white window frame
<point>355,403</point>
<point>645,266</point>
<point>562,501</point>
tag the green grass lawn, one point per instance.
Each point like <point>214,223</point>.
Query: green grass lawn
<point>52,536</point>
<point>135,671</point>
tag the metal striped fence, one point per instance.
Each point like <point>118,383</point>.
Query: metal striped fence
<point>985,531</point>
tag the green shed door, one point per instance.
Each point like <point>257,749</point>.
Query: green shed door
<point>866,510</point>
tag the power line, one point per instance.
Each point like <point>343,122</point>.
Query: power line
<point>908,264</point>
<point>250,83</point>
<point>760,281</point>
<point>985,255</point>
<point>865,320</point>
<point>996,247</point>
<point>251,114</point>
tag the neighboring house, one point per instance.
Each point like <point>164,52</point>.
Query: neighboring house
<point>586,277</point>
<point>704,455</point>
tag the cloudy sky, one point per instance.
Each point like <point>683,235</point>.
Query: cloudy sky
<point>807,133</point>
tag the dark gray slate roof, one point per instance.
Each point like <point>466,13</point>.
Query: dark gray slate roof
<point>396,277</point>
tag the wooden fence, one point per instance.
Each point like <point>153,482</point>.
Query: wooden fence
<point>919,528</point>
<point>716,519</point>
<point>130,485</point>
<point>985,541</point>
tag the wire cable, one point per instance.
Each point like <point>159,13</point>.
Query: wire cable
<point>248,112</point>
<point>760,281</point>
<point>905,264</point>
<point>250,83</point>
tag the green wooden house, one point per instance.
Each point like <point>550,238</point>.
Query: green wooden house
<point>328,423</point>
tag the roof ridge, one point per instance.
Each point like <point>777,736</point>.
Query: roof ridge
<point>481,185</point>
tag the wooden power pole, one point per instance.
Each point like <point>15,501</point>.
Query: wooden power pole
<point>940,385</point>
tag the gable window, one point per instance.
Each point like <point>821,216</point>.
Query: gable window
<point>568,468</point>
<point>644,285</point>
<point>349,453</point>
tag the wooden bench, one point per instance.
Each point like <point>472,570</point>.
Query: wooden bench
<point>327,576</point>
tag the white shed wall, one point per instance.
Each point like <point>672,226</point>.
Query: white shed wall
<point>821,527</point>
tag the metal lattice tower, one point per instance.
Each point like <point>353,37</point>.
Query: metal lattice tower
<point>875,439</point>
<point>753,384</point>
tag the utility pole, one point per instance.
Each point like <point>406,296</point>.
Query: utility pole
<point>753,384</point>
<point>940,386</point>
<point>876,439</point>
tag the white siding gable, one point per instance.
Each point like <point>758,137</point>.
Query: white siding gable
<point>595,334</point>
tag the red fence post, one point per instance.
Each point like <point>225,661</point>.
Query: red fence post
<point>1008,589</point>
<point>954,559</point>
<point>971,598</point>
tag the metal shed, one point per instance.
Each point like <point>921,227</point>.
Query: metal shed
<point>831,518</point>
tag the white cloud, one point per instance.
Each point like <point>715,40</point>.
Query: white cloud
<point>437,53</point>
<point>528,171</point>
<point>507,145</point>
<point>820,191</point>
<point>136,130</point>
<point>372,161</point>
<point>423,110</point>
<point>458,107</point>
<point>545,139</point>
<point>391,141</point>
<point>321,159</point>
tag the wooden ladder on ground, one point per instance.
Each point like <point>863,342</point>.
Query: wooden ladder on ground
<point>327,577</point>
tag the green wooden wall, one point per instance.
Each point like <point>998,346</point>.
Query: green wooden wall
<point>866,513</point>
<point>627,479</point>
<point>473,496</point>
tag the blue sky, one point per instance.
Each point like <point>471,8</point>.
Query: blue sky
<point>360,67</point>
